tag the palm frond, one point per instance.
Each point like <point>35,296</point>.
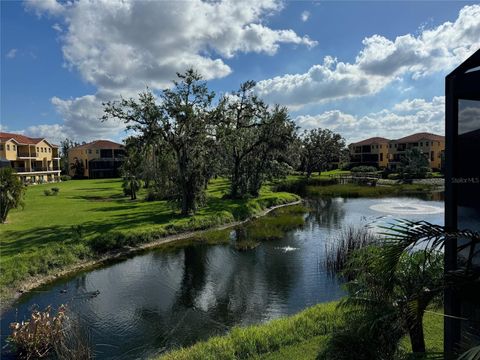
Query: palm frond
<point>472,354</point>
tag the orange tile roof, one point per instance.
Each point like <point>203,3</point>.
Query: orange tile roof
<point>373,140</point>
<point>22,139</point>
<point>420,136</point>
<point>102,144</point>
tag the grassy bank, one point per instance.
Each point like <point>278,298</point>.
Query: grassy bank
<point>325,185</point>
<point>300,336</point>
<point>252,341</point>
<point>89,218</point>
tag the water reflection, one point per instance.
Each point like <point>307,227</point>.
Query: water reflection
<point>168,298</point>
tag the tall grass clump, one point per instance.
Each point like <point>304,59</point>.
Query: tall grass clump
<point>48,334</point>
<point>341,247</point>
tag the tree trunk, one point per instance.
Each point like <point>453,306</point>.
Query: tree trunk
<point>415,331</point>
<point>234,185</point>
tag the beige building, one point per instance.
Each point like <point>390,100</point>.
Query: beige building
<point>431,145</point>
<point>383,153</point>
<point>97,159</point>
<point>373,151</point>
<point>35,160</point>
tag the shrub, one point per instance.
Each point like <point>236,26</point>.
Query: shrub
<point>363,169</point>
<point>393,176</point>
<point>55,190</point>
<point>107,242</point>
<point>48,192</point>
<point>153,195</point>
<point>65,177</point>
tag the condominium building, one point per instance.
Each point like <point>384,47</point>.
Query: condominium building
<point>372,151</point>
<point>384,153</point>
<point>97,159</point>
<point>35,160</point>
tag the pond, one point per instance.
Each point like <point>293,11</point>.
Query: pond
<point>167,298</point>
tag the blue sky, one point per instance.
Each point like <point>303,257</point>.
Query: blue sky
<point>360,68</point>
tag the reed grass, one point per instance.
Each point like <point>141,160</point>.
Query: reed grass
<point>340,247</point>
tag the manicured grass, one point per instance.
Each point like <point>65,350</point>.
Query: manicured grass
<point>54,231</point>
<point>300,336</point>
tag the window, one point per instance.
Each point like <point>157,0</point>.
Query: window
<point>49,150</point>
<point>89,151</point>
<point>96,151</point>
<point>395,145</point>
<point>432,155</point>
<point>14,147</point>
<point>86,164</point>
<point>421,144</point>
<point>381,156</point>
<point>86,151</point>
<point>1,147</point>
<point>8,147</point>
<point>38,149</point>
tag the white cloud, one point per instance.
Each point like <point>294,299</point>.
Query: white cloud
<point>12,53</point>
<point>57,27</point>
<point>407,117</point>
<point>133,43</point>
<point>122,46</point>
<point>379,63</point>
<point>468,116</point>
<point>49,7</point>
<point>52,132</point>
<point>82,118</point>
<point>305,15</point>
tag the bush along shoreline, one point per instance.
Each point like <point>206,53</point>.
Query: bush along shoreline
<point>26,271</point>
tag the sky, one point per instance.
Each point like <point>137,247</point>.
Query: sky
<point>359,68</point>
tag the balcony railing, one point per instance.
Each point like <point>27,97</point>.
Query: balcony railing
<point>24,154</point>
<point>35,169</point>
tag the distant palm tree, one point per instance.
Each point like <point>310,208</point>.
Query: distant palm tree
<point>77,167</point>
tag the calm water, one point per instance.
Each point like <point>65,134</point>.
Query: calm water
<point>165,299</point>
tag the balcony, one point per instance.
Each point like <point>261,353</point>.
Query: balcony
<point>26,155</point>
<point>35,169</point>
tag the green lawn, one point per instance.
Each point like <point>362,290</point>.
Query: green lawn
<point>54,231</point>
<point>300,336</point>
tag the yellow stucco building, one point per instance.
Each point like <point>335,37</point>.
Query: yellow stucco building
<point>97,159</point>
<point>36,160</point>
<point>385,153</point>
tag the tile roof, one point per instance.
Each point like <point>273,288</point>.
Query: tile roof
<point>22,139</point>
<point>373,140</point>
<point>420,136</point>
<point>100,144</point>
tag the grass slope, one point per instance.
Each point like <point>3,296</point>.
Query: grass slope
<point>300,336</point>
<point>52,232</point>
<point>258,340</point>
